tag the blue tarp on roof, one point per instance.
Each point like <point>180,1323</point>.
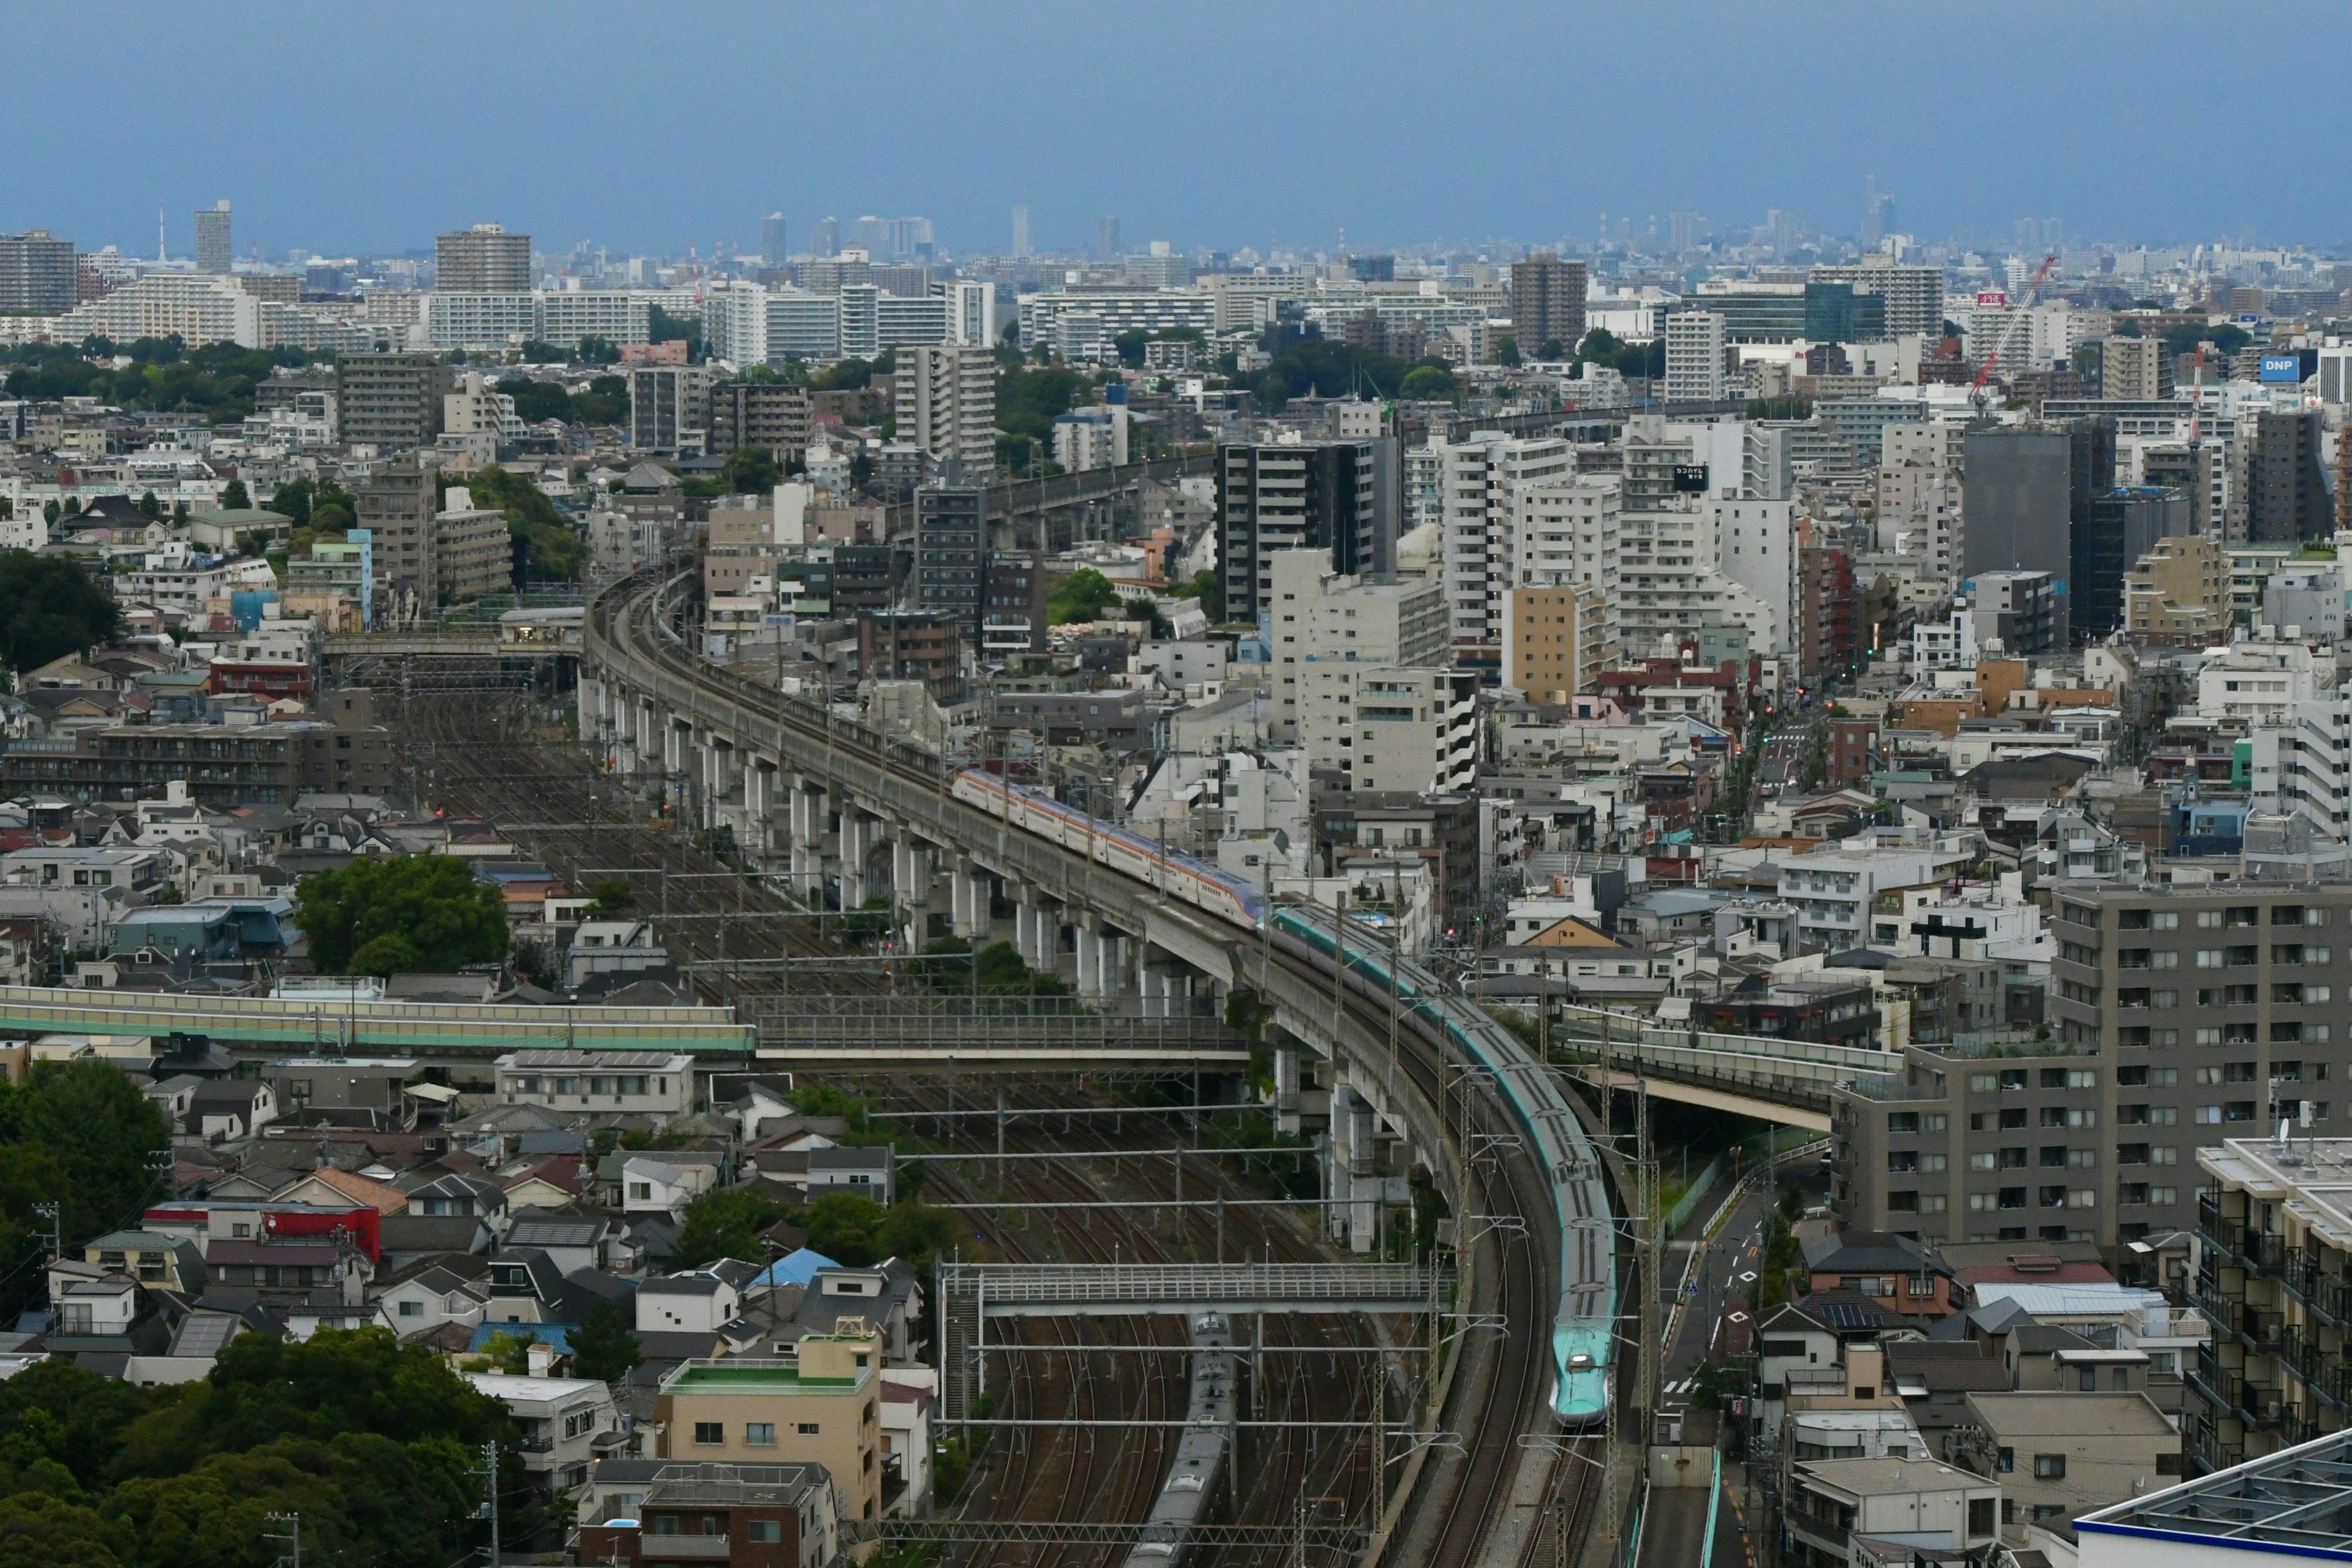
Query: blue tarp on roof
<point>795,1267</point>
<point>559,1335</point>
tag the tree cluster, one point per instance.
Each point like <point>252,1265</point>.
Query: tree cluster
<point>1605,348</point>
<point>849,1229</point>
<point>49,607</point>
<point>1028,401</point>
<point>420,914</point>
<point>604,400</point>
<point>1085,594</point>
<point>373,1443</point>
<point>80,1135</point>
<point>163,375</point>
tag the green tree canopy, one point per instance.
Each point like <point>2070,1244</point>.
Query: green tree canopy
<point>292,499</point>
<point>233,497</point>
<point>426,910</point>
<point>49,608</point>
<point>604,1346</point>
<point>1430,383</point>
<point>661,327</point>
<point>1028,401</point>
<point>1085,594</point>
<point>724,1223</point>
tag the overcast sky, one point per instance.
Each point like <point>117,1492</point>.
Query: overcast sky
<point>643,126</point>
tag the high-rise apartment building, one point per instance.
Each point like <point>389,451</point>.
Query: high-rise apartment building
<point>2121,526</point>
<point>2184,1014</point>
<point>1694,349</point>
<point>2016,501</point>
<point>1024,237</point>
<point>824,239</point>
<point>774,251</point>
<point>1324,495</point>
<point>969,312</point>
<point>37,273</point>
<point>1566,532</point>
<point>669,407</point>
<point>1551,642</point>
<point>1482,480</point>
<point>2135,369</point>
<point>1913,295</point>
<point>771,414</point>
<point>484,259</point>
<point>1107,245</point>
<point>392,402</point>
<point>1546,302</point>
<point>215,242</point>
<point>1323,617</point>
<point>397,505</point>
<point>947,405</point>
<point>950,546</point>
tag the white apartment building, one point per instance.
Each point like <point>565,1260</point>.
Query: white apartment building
<point>945,405</point>
<point>1756,459</point>
<point>1480,480</point>
<point>1118,309</point>
<point>1566,533</point>
<point>1925,444</point>
<point>2258,684</point>
<point>970,315</point>
<point>560,1419</point>
<point>478,408</point>
<point>1833,890</point>
<point>1919,512</point>
<point>1756,547</point>
<point>554,316</point>
<point>1695,345</point>
<point>1392,729</point>
<point>1674,582</point>
<point>2305,768</point>
<point>1322,616</point>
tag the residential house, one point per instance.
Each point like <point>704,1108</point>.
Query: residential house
<point>561,1419</point>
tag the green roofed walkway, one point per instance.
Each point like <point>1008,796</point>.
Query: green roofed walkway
<point>412,1028</point>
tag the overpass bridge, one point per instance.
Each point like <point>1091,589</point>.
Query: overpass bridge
<point>1766,1076</point>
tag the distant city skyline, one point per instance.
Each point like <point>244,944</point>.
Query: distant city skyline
<point>368,134</point>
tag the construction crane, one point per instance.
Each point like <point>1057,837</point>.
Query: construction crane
<point>1984,372</point>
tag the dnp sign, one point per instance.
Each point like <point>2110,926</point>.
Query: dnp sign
<point>2282,369</point>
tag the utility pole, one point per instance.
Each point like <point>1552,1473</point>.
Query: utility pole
<point>490,1498</point>
<point>293,1534</point>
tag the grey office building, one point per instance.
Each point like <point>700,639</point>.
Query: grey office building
<point>2025,492</point>
<point>2175,1011</point>
<point>484,259</point>
<point>772,251</point>
<point>37,273</point>
<point>1295,495</point>
<point>2119,527</point>
<point>215,242</point>
<point>2280,496</point>
<point>391,401</point>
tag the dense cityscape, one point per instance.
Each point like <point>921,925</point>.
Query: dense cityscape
<point>926,892</point>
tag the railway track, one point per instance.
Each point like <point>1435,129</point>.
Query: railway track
<point>482,757</point>
<point>1503,1395</point>
<point>1038,1476</point>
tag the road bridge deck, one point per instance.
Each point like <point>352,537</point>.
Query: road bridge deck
<point>1108,1290</point>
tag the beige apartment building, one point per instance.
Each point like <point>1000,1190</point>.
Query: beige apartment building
<point>825,1407</point>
